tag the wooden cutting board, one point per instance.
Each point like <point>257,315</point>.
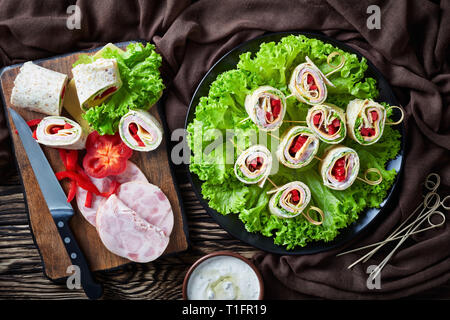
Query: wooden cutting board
<point>155,165</point>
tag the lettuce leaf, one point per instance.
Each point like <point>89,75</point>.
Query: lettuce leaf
<point>142,85</point>
<point>223,109</point>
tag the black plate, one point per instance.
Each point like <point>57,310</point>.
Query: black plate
<point>231,222</point>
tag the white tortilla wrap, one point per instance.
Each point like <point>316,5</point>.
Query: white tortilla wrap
<point>249,174</point>
<point>327,114</point>
<point>39,89</point>
<point>73,138</point>
<point>351,167</point>
<point>93,79</point>
<point>282,205</point>
<point>258,105</point>
<point>149,130</point>
<point>359,116</point>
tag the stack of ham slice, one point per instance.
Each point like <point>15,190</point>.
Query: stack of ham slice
<point>136,222</point>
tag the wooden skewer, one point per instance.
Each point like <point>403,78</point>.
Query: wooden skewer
<point>335,68</point>
<point>273,183</point>
<point>429,208</point>
<point>243,120</point>
<point>279,139</point>
<point>371,182</point>
<point>295,121</point>
<point>401,118</point>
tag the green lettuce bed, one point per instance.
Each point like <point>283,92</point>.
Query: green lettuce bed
<point>223,109</point>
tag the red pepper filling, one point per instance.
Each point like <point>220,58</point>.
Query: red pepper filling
<point>297,144</point>
<point>255,164</point>
<point>105,93</point>
<point>295,196</point>
<point>63,92</point>
<point>311,82</point>
<point>133,131</point>
<point>316,119</point>
<point>332,128</point>
<point>338,170</point>
<point>55,129</point>
<point>276,108</point>
<point>367,132</point>
<point>374,115</point>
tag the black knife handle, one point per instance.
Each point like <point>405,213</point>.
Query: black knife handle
<point>92,289</point>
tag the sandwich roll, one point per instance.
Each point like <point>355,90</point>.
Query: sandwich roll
<point>339,167</point>
<point>365,121</point>
<point>140,130</point>
<point>291,200</point>
<point>96,81</point>
<point>297,147</point>
<point>61,132</point>
<point>39,89</point>
<point>308,84</point>
<point>266,107</point>
<point>253,165</point>
<point>328,122</point>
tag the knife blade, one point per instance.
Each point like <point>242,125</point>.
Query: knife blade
<point>56,200</point>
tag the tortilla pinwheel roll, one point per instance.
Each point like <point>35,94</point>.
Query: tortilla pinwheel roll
<point>339,167</point>
<point>61,132</point>
<point>365,121</point>
<point>266,107</point>
<point>39,89</point>
<point>308,84</point>
<point>297,147</point>
<point>290,200</point>
<point>140,130</point>
<point>253,165</point>
<point>328,122</point>
<point>96,81</point>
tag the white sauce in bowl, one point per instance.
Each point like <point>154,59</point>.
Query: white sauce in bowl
<point>223,278</point>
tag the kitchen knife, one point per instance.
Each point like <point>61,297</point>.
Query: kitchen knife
<point>58,206</point>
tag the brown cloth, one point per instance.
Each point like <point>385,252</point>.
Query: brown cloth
<point>412,51</point>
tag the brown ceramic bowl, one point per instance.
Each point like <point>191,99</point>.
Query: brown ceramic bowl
<point>223,253</point>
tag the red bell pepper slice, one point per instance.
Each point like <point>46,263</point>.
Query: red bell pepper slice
<point>63,156</point>
<point>88,201</point>
<point>33,122</point>
<point>81,181</point>
<point>72,191</point>
<point>71,160</point>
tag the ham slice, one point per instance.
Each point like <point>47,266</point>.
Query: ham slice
<point>126,234</point>
<point>131,173</point>
<point>149,202</point>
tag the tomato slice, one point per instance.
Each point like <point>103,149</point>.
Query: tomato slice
<point>105,155</point>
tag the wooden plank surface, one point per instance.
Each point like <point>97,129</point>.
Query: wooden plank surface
<point>155,166</point>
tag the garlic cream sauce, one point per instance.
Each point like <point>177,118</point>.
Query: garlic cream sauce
<point>223,278</point>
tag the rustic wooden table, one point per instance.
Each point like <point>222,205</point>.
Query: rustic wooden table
<point>22,277</point>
